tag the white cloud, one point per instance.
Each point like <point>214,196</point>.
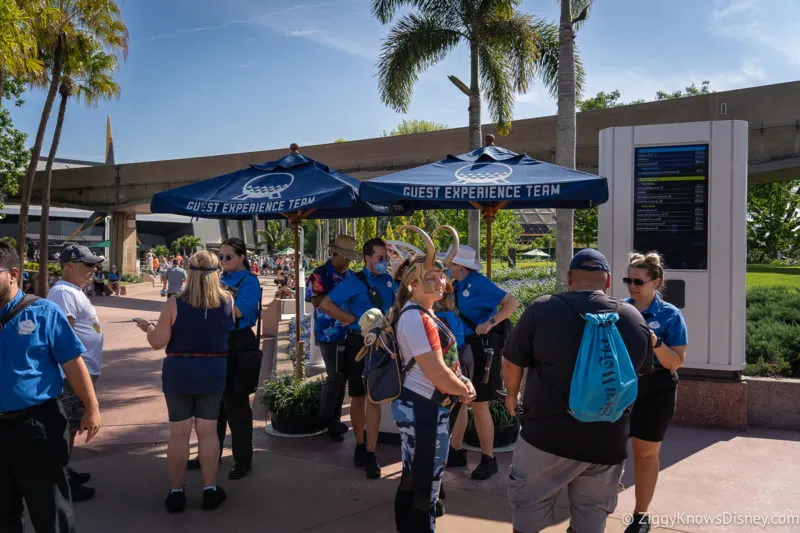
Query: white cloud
<point>728,8</point>
<point>300,33</point>
<point>776,30</point>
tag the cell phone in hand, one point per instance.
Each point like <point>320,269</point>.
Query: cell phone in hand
<point>137,320</point>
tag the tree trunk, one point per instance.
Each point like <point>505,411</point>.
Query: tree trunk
<point>565,134</point>
<point>474,216</point>
<point>44,230</point>
<point>27,182</point>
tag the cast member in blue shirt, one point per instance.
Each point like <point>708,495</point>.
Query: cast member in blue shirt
<point>242,376</point>
<point>33,427</point>
<point>331,334</point>
<point>346,303</point>
<point>478,299</point>
<point>655,403</point>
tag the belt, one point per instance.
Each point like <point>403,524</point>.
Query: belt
<point>197,355</point>
<point>11,415</point>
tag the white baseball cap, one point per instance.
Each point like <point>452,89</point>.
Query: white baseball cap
<point>467,258</point>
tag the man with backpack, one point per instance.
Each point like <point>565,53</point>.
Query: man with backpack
<point>582,350</point>
<point>373,287</point>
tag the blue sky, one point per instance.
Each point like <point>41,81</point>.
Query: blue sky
<point>206,77</point>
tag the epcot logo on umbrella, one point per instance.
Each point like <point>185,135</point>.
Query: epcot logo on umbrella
<point>266,186</point>
<point>483,173</point>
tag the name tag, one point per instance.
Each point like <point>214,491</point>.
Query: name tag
<point>654,324</point>
<point>26,327</point>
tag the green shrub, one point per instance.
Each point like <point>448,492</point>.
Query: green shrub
<point>130,278</point>
<point>51,267</point>
<point>500,415</point>
<point>773,331</point>
<point>288,396</point>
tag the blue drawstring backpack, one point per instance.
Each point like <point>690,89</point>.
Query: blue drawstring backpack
<point>604,382</point>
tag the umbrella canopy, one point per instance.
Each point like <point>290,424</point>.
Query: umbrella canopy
<point>294,184</point>
<point>484,177</point>
<point>534,253</point>
<point>286,251</point>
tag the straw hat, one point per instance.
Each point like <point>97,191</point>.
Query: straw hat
<point>466,257</point>
<point>345,246</point>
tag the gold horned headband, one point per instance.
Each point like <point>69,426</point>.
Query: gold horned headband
<point>416,270</point>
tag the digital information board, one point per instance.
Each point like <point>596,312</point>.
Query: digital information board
<point>670,212</point>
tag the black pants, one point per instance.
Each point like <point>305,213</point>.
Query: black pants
<point>235,411</point>
<point>332,395</point>
<point>33,454</point>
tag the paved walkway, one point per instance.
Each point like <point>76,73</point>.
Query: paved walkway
<point>301,485</point>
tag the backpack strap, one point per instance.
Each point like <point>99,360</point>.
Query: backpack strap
<point>372,293</point>
<point>27,300</point>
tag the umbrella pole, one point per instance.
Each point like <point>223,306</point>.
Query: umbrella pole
<point>489,219</point>
<point>299,351</point>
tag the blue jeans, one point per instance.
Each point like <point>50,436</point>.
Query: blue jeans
<point>425,431</point>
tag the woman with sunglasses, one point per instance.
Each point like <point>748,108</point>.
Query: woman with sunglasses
<point>655,403</point>
<point>242,376</point>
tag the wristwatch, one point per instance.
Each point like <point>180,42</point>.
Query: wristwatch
<point>658,343</point>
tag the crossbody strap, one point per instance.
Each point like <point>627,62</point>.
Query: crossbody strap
<point>372,293</point>
<point>27,300</point>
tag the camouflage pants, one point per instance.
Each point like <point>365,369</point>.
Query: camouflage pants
<point>425,431</point>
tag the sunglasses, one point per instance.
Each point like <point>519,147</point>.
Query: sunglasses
<point>634,281</point>
<point>225,257</point>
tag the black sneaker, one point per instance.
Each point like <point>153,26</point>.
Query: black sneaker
<point>338,427</point>
<point>457,458</point>
<point>372,467</point>
<point>213,498</point>
<point>640,524</point>
<point>360,456</point>
<point>239,471</point>
<point>176,501</point>
<point>486,469</point>
<point>334,434</point>
<point>81,493</point>
<point>78,478</point>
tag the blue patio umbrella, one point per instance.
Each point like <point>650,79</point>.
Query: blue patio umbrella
<point>488,179</point>
<point>294,187</point>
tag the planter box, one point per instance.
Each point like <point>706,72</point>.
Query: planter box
<point>503,436</point>
<point>135,288</point>
<point>295,424</point>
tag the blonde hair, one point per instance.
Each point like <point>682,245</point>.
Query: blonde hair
<point>447,303</point>
<point>651,262</point>
<point>203,289</point>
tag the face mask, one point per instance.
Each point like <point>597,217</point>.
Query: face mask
<point>381,268</point>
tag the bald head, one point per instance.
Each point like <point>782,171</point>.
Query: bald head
<point>588,280</point>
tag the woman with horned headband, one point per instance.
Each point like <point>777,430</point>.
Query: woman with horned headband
<point>432,385</point>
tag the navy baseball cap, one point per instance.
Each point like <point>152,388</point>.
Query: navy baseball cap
<point>589,259</point>
<point>78,253</point>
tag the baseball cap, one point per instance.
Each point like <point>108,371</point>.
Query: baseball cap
<point>589,259</point>
<point>78,253</point>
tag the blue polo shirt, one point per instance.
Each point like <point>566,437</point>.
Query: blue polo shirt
<point>247,297</point>
<point>477,299</point>
<point>32,346</point>
<point>351,295</point>
<point>666,321</point>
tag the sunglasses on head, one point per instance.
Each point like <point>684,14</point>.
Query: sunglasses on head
<point>633,281</point>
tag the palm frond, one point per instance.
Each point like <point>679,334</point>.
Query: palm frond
<point>486,9</point>
<point>546,66</point>
<point>496,78</point>
<point>414,44</point>
<point>521,38</point>
<point>580,12</point>
<point>384,10</point>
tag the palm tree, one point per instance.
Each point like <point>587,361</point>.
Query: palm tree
<point>58,25</point>
<point>507,50</point>
<point>88,75</point>
<point>17,41</point>
<point>565,125</point>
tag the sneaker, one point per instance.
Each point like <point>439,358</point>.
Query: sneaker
<point>338,427</point>
<point>457,458</point>
<point>360,456</point>
<point>239,471</point>
<point>176,501</point>
<point>640,524</point>
<point>213,498</point>
<point>334,434</point>
<point>78,478</point>
<point>486,469</point>
<point>80,493</point>
<point>372,467</point>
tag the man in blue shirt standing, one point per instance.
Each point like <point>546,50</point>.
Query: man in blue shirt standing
<point>330,333</point>
<point>372,287</point>
<point>34,341</point>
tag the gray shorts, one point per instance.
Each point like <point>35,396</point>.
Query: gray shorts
<point>537,478</point>
<point>185,406</point>
<point>73,406</point>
